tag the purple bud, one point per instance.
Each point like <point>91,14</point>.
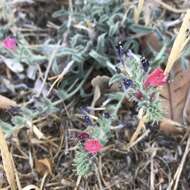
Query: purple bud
<point>83,136</point>
<point>87,120</point>
<point>145,63</point>
<point>120,51</point>
<point>127,83</point>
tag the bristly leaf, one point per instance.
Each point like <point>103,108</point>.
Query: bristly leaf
<point>102,131</point>
<point>115,78</point>
<point>7,128</point>
<point>82,162</point>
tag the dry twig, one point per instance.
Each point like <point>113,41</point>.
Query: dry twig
<point>178,172</point>
<point>181,41</point>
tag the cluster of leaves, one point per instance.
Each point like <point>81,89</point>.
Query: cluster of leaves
<point>91,30</point>
<point>23,117</point>
<point>22,55</point>
<point>90,34</point>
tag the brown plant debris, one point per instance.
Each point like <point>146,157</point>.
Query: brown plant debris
<point>174,95</point>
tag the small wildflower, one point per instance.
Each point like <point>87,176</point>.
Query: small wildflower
<point>9,43</point>
<point>156,78</point>
<point>93,146</point>
<point>106,115</point>
<point>83,136</point>
<point>120,48</point>
<point>87,120</point>
<point>127,83</point>
<point>145,63</point>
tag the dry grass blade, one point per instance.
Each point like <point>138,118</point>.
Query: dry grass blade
<point>180,168</point>
<point>43,181</point>
<point>78,182</point>
<point>168,7</point>
<point>128,147</point>
<point>6,103</point>
<point>181,41</point>
<point>60,76</point>
<point>7,162</point>
<point>30,187</point>
<point>38,133</point>
<point>152,173</point>
<point>138,11</point>
<point>139,127</point>
<point>51,59</point>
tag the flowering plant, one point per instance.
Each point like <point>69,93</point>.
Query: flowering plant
<point>91,142</point>
<point>139,83</point>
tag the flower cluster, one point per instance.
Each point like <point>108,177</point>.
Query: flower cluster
<point>140,82</point>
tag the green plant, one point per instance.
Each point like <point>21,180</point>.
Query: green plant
<point>134,72</point>
<point>84,160</point>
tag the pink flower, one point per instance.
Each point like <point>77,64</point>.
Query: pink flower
<point>9,43</point>
<point>156,78</point>
<point>93,146</point>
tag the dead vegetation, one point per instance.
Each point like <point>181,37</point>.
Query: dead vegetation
<point>64,60</point>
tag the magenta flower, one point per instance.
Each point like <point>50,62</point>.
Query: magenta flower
<point>156,78</point>
<point>9,43</point>
<point>93,146</point>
